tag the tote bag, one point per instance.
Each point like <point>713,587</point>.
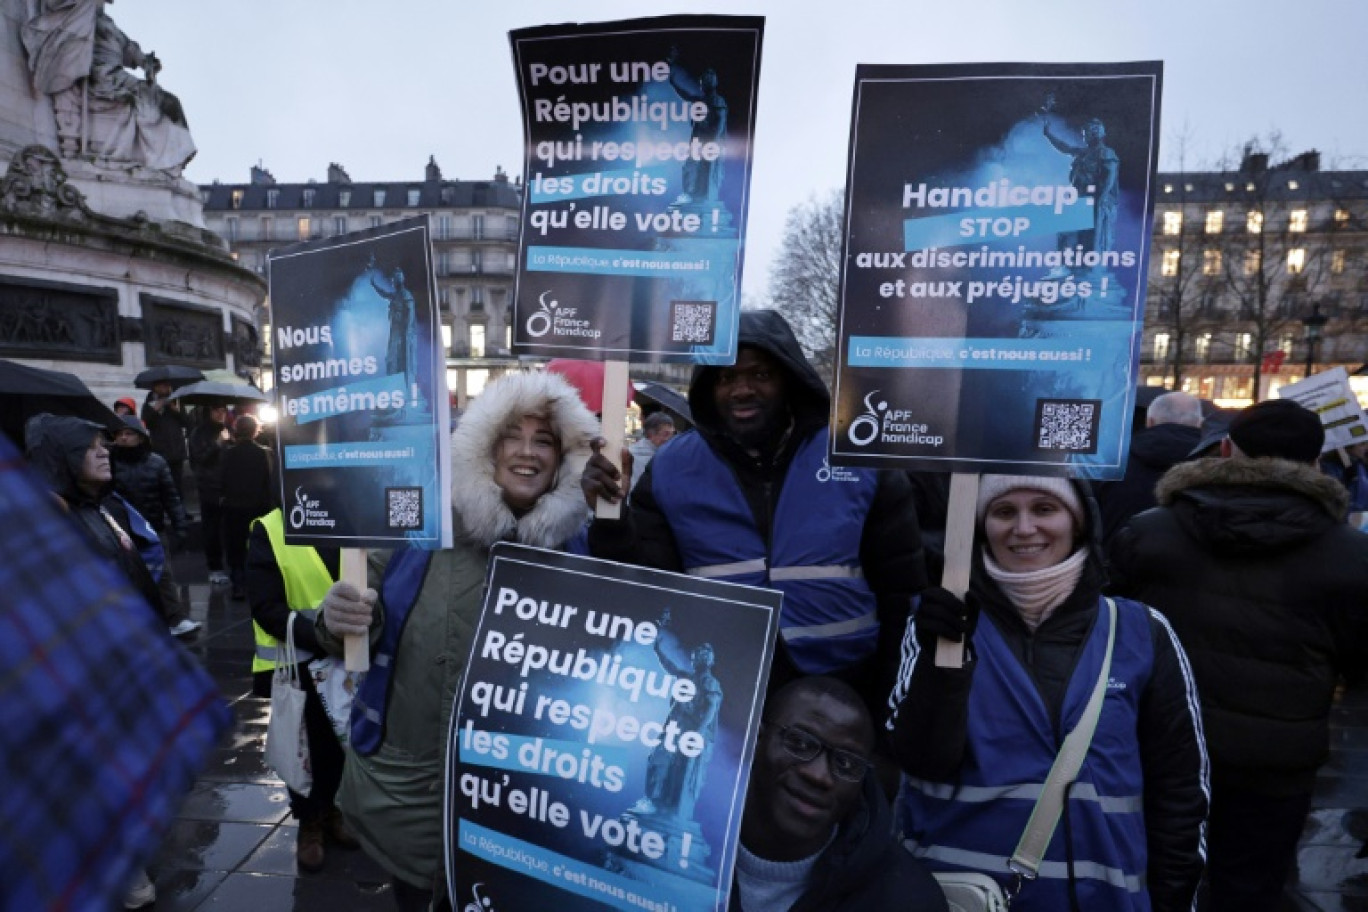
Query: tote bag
<point>287,743</point>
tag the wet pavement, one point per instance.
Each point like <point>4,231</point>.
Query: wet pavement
<point>231,847</point>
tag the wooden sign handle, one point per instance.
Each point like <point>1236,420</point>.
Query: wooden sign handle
<point>354,572</point>
<point>959,553</point>
<point>614,421</point>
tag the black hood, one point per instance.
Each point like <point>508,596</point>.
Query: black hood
<point>1165,445</point>
<point>56,445</point>
<point>768,331</point>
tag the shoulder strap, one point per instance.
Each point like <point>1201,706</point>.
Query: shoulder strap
<point>1030,850</point>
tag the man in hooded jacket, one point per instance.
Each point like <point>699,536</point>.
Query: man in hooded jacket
<point>1250,559</point>
<point>748,496</point>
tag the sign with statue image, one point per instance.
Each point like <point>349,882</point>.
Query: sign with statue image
<point>994,265</point>
<point>602,739</point>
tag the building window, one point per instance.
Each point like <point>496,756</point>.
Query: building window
<point>379,198</point>
<point>446,335</point>
<point>444,263</point>
<point>508,338</point>
<point>477,227</point>
<point>237,199</point>
<point>1173,222</point>
<point>1296,260</point>
<point>443,227</point>
<point>1203,346</point>
<point>1161,346</point>
<point>272,197</point>
<point>1211,262</point>
<point>476,262</point>
<point>477,340</point>
<point>1243,341</point>
<point>1337,261</point>
<point>232,226</point>
<point>1341,218</point>
<point>266,229</point>
<point>1169,265</point>
<point>1293,185</point>
<point>1254,222</point>
<point>413,196</point>
<point>375,221</point>
<point>303,227</point>
<point>477,298</point>
<point>344,198</point>
<point>1215,221</point>
<point>1253,261</point>
<point>1297,221</point>
<point>444,299</point>
<point>1168,188</point>
<point>309,198</point>
<point>339,224</point>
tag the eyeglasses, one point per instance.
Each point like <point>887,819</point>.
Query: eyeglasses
<point>806,747</point>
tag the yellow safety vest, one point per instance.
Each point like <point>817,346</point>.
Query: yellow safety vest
<point>306,582</point>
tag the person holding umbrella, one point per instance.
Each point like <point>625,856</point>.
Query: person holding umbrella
<point>165,421</point>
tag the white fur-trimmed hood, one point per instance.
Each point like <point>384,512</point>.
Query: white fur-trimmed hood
<point>482,516</point>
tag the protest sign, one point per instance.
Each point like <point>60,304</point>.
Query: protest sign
<point>1328,395</point>
<point>993,274</point>
<point>602,738</point>
<point>360,378</point>
<point>637,156</point>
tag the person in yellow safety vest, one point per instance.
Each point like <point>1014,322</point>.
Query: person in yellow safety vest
<point>282,578</point>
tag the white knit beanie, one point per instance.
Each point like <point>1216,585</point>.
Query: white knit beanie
<point>991,487</point>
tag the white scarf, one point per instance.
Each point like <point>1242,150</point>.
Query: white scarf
<point>1037,593</point>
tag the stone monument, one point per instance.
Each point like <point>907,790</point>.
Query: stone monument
<point>106,266</point>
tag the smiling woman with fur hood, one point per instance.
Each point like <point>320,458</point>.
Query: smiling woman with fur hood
<point>516,460</point>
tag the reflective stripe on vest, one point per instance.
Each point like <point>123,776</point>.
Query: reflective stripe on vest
<point>1012,741</point>
<point>829,620</point>
<point>1049,870</point>
<point>306,579</point>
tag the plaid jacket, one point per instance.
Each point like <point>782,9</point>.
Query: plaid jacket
<point>104,720</point>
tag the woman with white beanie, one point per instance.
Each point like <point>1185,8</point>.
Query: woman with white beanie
<point>976,743</point>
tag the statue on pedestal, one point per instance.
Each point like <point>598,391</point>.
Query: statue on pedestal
<point>81,59</point>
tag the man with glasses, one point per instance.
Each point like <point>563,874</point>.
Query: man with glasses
<point>817,831</point>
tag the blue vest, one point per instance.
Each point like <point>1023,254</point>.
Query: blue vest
<point>829,620</point>
<point>404,575</point>
<point>976,822</point>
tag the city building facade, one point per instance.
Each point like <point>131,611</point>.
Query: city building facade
<point>1257,275</point>
<point>474,232</point>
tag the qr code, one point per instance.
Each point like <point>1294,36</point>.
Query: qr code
<point>693,321</point>
<point>1067,424</point>
<point>405,507</point>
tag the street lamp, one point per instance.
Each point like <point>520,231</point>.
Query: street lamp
<point>1313,325</point>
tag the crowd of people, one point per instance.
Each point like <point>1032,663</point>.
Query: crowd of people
<point>1177,636</point>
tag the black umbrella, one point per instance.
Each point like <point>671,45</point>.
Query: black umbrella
<point>219,392</point>
<point>175,374</point>
<point>27,391</point>
<point>666,398</point>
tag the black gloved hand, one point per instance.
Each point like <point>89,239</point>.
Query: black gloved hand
<point>941,614</point>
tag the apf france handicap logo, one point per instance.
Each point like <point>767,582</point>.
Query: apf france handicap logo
<point>865,430</point>
<point>539,324</point>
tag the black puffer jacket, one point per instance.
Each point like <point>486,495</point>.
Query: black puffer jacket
<point>207,443</point>
<point>166,426</point>
<point>890,548</point>
<point>865,868</point>
<point>144,478</point>
<point>930,722</point>
<point>1267,588</point>
<point>56,446</point>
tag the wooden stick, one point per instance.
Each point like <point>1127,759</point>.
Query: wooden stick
<point>614,420</point>
<point>959,552</point>
<point>354,572</point>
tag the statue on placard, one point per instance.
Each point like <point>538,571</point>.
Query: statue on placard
<point>701,180</point>
<point>1094,172</point>
<point>82,60</point>
<point>674,780</point>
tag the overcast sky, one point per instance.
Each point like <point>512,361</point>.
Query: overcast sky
<point>378,87</point>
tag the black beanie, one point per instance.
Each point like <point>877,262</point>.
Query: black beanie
<point>1279,428</point>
